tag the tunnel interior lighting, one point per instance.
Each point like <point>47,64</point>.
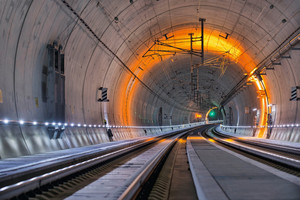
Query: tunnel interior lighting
<point>66,124</point>
<point>59,124</point>
<point>212,113</point>
<point>90,125</point>
<point>34,123</point>
<point>46,123</point>
<point>72,124</point>
<point>198,115</point>
<point>5,121</point>
<point>21,122</point>
<point>84,125</point>
<point>78,125</point>
<point>53,123</point>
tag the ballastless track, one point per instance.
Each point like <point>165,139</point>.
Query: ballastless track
<point>284,158</point>
<point>140,164</point>
<point>149,170</point>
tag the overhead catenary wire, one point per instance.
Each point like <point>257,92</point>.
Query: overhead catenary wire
<point>115,55</point>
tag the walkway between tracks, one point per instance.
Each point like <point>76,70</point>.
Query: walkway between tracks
<point>219,174</point>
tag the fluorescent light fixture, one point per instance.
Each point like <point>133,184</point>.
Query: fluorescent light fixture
<point>5,121</point>
<point>95,125</point>
<point>66,124</point>
<point>34,123</point>
<point>84,125</point>
<point>46,123</point>
<point>59,124</point>
<point>53,123</point>
<point>90,125</point>
<point>21,122</point>
<point>72,124</point>
<point>78,125</point>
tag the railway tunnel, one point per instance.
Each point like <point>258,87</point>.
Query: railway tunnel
<point>71,70</point>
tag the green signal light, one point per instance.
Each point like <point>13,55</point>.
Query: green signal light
<point>212,113</point>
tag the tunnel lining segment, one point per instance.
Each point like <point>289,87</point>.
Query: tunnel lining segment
<point>290,41</point>
<point>115,56</point>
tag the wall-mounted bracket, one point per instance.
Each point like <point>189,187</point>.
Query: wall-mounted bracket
<point>55,132</point>
<point>270,68</point>
<point>285,56</point>
<point>276,63</point>
<point>225,37</point>
<point>295,48</point>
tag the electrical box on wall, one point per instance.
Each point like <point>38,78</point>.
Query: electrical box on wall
<point>53,85</point>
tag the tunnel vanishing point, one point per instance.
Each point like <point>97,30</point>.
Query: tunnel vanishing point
<point>70,69</point>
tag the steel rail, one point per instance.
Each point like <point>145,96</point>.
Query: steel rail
<point>137,183</point>
<point>263,154</point>
<point>32,183</point>
<point>277,147</point>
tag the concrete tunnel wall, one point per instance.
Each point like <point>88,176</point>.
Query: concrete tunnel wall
<point>28,26</point>
<point>285,113</point>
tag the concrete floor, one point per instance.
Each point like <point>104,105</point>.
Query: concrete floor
<point>239,179</point>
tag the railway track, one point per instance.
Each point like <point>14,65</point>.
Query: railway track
<point>154,169</point>
<point>123,174</point>
<point>284,158</point>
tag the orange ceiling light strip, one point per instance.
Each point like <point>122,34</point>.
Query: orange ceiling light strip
<point>197,115</point>
<point>141,65</point>
<point>263,105</point>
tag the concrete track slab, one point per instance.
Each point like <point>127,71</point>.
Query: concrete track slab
<point>239,179</point>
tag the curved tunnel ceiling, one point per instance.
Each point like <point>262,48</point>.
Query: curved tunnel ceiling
<point>173,77</point>
<point>104,43</point>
